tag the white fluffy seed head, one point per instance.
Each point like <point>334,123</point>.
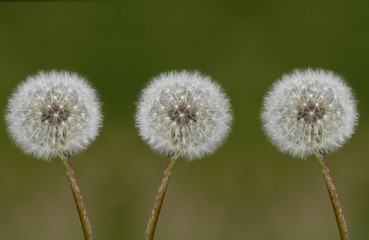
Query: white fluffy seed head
<point>53,114</point>
<point>183,114</point>
<point>309,112</point>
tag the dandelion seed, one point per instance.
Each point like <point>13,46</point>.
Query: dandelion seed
<point>309,125</point>
<point>42,118</point>
<point>183,98</point>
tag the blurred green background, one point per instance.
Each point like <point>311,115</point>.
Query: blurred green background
<point>247,189</point>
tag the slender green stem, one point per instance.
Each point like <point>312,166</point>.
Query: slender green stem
<point>153,220</point>
<point>78,199</point>
<point>334,199</point>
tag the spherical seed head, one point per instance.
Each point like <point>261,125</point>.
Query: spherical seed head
<point>183,114</point>
<point>309,112</point>
<point>53,114</point>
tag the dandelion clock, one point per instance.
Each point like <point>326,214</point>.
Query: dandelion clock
<point>311,113</point>
<point>181,115</point>
<point>55,115</point>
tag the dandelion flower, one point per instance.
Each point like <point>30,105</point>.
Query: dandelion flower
<point>181,114</point>
<point>55,114</point>
<point>311,113</point>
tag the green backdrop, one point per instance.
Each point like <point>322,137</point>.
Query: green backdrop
<point>247,189</point>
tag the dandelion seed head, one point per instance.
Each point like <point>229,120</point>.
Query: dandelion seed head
<point>309,112</point>
<point>184,114</point>
<point>53,114</point>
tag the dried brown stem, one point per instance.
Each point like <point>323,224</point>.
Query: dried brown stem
<point>151,226</point>
<point>78,199</point>
<point>334,199</point>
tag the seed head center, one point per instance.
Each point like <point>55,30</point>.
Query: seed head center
<point>182,113</point>
<point>310,111</point>
<point>55,113</point>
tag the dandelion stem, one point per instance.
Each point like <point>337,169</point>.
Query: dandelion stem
<point>78,199</point>
<point>334,199</point>
<point>151,226</point>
